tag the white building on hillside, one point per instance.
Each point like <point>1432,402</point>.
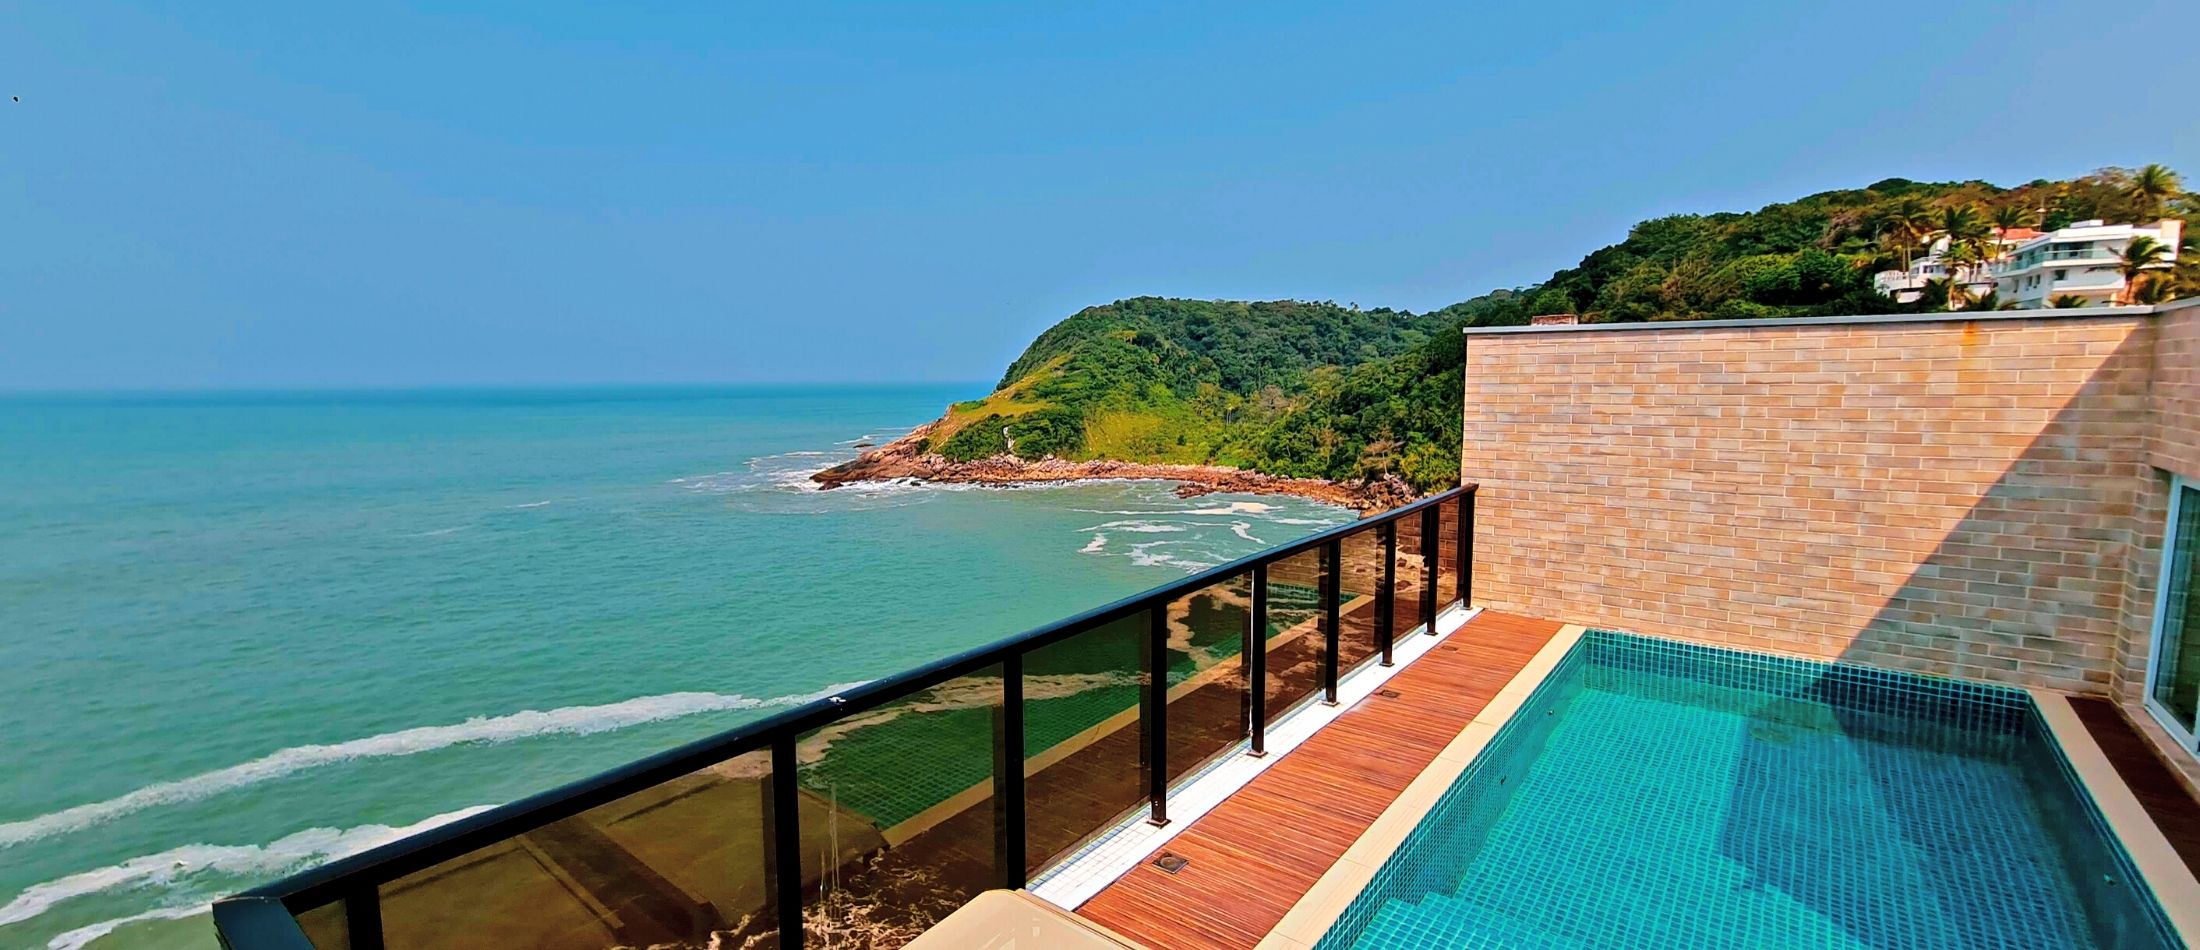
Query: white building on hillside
<point>1906,286</point>
<point>2084,260</point>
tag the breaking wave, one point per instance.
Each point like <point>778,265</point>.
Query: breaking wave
<point>184,880</point>
<point>528,724</point>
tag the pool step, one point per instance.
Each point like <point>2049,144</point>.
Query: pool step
<point>1441,920</point>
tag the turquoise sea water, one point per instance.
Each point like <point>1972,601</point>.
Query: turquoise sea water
<point>242,633</point>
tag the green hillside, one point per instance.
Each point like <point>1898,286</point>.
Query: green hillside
<point>1317,390</point>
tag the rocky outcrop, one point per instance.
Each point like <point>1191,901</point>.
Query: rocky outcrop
<point>905,458</point>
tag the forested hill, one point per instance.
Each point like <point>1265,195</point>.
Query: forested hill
<point>1317,390</point>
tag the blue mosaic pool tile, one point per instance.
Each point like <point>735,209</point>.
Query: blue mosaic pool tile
<point>1656,794</point>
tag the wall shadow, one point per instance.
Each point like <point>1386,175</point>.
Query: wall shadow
<point>1925,790</point>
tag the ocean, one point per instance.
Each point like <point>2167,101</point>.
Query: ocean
<point>243,633</point>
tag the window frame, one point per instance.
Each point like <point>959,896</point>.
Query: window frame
<point>2188,739</point>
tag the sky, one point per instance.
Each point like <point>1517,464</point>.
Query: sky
<point>227,195</point>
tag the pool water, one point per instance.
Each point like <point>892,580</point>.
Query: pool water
<point>1655,794</point>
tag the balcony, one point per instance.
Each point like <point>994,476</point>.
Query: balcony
<point>872,815</point>
<point>1886,652</point>
<point>2030,259</point>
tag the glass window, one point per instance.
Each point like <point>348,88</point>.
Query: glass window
<point>2176,686</point>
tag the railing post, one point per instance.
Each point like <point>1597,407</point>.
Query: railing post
<point>363,918</point>
<point>1466,548</point>
<point>1332,586</point>
<point>1387,592</point>
<point>787,842</point>
<point>1008,774</point>
<point>1155,717</point>
<point>1256,661</point>
<point>1432,541</point>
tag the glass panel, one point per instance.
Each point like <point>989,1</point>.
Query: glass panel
<point>325,927</point>
<point>1084,761</point>
<point>1447,554</point>
<point>1412,577</point>
<point>902,832</point>
<point>2177,671</point>
<point>1294,631</point>
<point>1207,697</point>
<point>680,864</point>
<point>1361,576</point>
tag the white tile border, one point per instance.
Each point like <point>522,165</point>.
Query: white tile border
<point>2165,873</point>
<point>1116,852</point>
<point>1305,923</point>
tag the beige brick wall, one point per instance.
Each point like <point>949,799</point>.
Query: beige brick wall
<point>1954,497</point>
<point>2176,394</point>
<point>2173,448</point>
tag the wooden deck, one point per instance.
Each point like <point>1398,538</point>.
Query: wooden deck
<point>2159,792</point>
<point>1257,853</point>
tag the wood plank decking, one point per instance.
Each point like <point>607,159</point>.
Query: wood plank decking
<point>2159,792</point>
<point>1257,853</point>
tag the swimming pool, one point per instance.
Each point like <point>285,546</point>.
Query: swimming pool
<point>1660,794</point>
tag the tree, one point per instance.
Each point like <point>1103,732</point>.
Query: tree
<point>2066,301</point>
<point>1946,290</point>
<point>2142,255</point>
<point>2151,186</point>
<point>2009,217</point>
<point>1907,221</point>
<point>2155,287</point>
<point>2184,276</point>
<point>1968,241</point>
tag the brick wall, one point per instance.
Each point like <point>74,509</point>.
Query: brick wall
<point>2175,446</point>
<point>1956,497</point>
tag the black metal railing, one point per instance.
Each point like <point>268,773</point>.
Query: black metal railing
<point>861,819</point>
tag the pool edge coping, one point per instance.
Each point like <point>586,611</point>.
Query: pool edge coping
<point>2175,888</point>
<point>1318,910</point>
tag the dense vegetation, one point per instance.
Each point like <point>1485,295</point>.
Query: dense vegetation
<point>1318,390</point>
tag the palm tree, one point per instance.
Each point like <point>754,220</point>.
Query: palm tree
<point>2185,275</point>
<point>2155,287</point>
<point>2143,254</point>
<point>1967,234</point>
<point>1962,223</point>
<point>2150,186</point>
<point>1962,257</point>
<point>1908,220</point>
<point>1948,291</point>
<point>2008,218</point>
<point>2066,301</point>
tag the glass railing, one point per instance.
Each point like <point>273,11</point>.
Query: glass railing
<point>2036,258</point>
<point>860,820</point>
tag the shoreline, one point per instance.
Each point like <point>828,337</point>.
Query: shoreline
<point>902,459</point>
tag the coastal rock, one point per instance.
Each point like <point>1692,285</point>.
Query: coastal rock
<point>905,458</point>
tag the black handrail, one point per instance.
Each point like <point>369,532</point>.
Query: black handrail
<point>246,921</point>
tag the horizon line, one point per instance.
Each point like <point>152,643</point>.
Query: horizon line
<point>399,388</point>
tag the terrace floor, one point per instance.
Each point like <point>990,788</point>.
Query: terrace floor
<point>2164,797</point>
<point>1261,850</point>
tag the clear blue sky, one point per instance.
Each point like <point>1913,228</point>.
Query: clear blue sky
<point>307,194</point>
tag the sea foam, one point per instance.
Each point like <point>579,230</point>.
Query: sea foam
<point>570,720</point>
<point>171,869</point>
